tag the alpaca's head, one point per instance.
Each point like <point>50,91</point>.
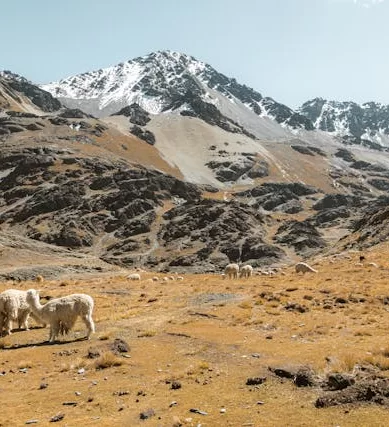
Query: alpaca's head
<point>32,295</point>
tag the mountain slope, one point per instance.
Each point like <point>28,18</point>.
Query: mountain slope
<point>19,94</point>
<point>212,177</point>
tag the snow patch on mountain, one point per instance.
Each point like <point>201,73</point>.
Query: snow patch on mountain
<point>163,82</point>
<point>369,121</point>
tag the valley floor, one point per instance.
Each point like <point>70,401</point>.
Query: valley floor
<point>194,344</point>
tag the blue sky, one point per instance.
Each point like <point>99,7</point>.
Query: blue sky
<point>291,50</point>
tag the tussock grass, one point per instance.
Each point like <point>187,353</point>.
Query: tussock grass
<point>73,365</point>
<point>379,361</point>
<point>245,305</point>
<point>107,360</point>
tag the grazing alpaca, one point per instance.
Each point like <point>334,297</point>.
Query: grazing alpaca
<point>14,309</point>
<point>231,271</point>
<point>61,313</point>
<point>302,267</point>
<point>246,271</point>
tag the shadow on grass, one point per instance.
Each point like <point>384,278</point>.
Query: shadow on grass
<point>41,344</point>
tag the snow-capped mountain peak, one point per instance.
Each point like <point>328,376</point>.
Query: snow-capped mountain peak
<point>9,75</point>
<point>167,81</point>
<point>369,121</point>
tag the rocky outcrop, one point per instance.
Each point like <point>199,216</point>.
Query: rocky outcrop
<point>73,113</point>
<point>243,167</point>
<point>143,134</point>
<point>301,235</point>
<point>232,229</point>
<point>197,107</point>
<point>42,99</point>
<point>137,115</point>
<point>380,184</point>
<point>366,166</point>
<point>336,200</point>
<point>308,149</point>
<point>346,155</point>
<point>271,196</point>
<point>331,216</point>
<point>290,207</point>
<point>373,225</point>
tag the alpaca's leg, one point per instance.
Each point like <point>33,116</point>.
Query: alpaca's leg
<point>1,323</point>
<point>87,319</point>
<point>8,325</point>
<point>23,320</point>
<point>54,330</point>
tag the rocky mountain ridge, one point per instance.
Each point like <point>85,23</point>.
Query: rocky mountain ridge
<point>356,123</point>
<point>70,180</point>
<point>168,81</point>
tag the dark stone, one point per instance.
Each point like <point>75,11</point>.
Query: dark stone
<point>255,380</point>
<point>145,415</point>
<point>56,418</point>
<point>339,381</point>
<point>93,353</point>
<point>340,300</point>
<point>120,346</point>
<point>293,306</point>
<point>304,377</point>
<point>175,385</point>
<point>285,371</point>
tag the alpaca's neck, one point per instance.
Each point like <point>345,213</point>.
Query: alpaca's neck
<point>36,305</point>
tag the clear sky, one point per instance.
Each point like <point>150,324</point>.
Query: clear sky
<point>291,50</point>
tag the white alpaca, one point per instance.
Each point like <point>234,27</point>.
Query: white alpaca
<point>14,308</point>
<point>134,276</point>
<point>231,271</point>
<point>61,313</point>
<point>302,267</point>
<point>246,271</point>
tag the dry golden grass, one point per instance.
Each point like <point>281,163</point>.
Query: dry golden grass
<point>107,360</point>
<point>203,332</point>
